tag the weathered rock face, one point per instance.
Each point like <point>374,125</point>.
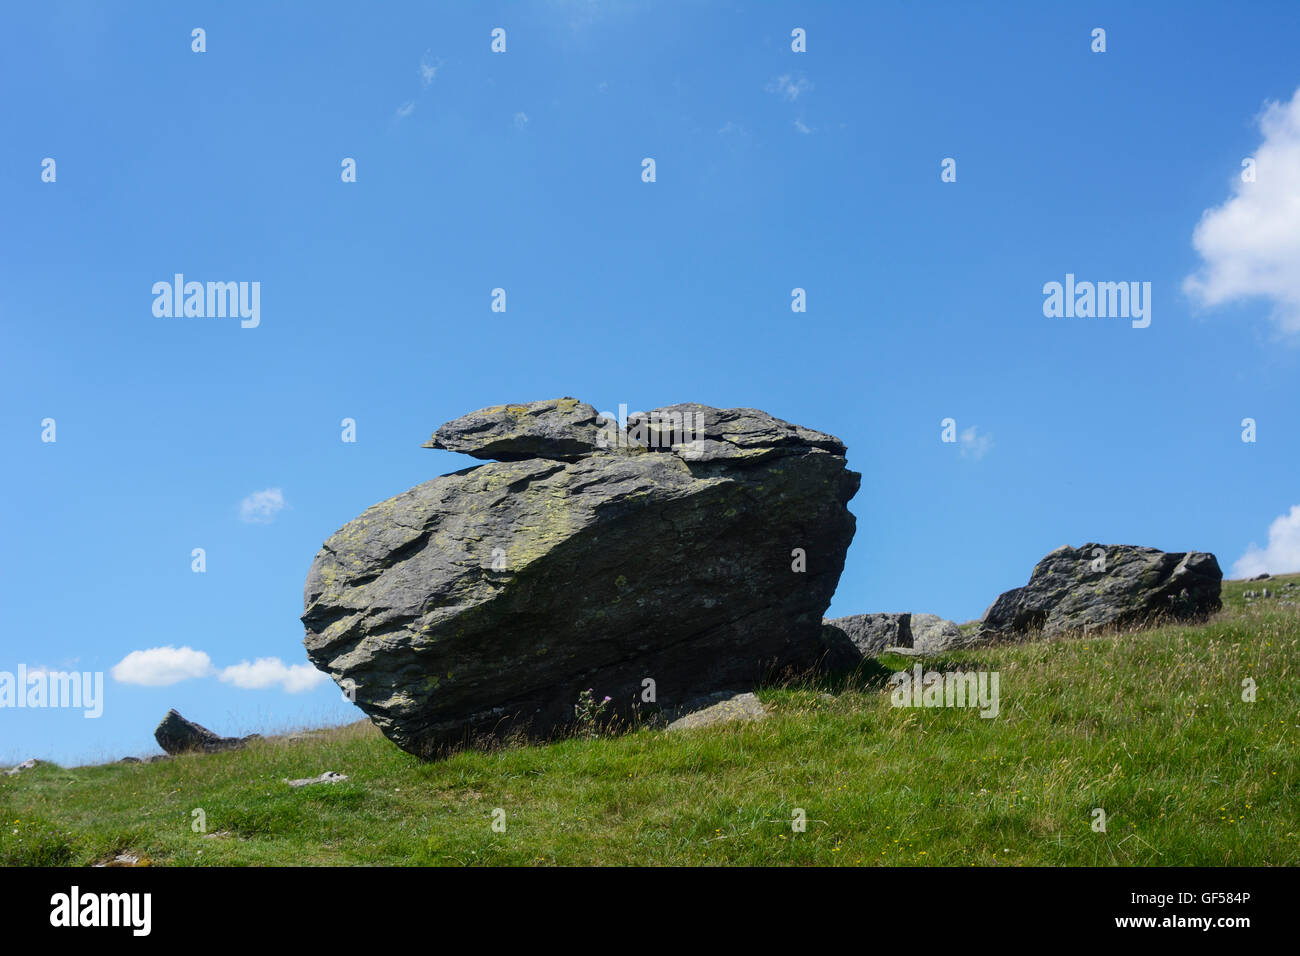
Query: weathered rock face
<point>176,735</point>
<point>1082,589</point>
<point>485,601</point>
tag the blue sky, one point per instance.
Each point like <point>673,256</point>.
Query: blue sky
<point>522,170</point>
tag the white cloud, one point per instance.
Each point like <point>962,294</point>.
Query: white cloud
<point>802,127</point>
<point>1282,556</point>
<point>269,671</point>
<point>789,87</point>
<point>261,507</point>
<point>428,70</point>
<point>521,120</point>
<point>974,445</point>
<point>1251,244</point>
<point>162,666</point>
<point>406,109</point>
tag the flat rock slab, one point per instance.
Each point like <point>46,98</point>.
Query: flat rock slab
<point>329,776</point>
<point>560,429</point>
<point>720,708</point>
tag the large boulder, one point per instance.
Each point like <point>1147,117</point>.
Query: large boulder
<point>1100,586</point>
<point>695,548</point>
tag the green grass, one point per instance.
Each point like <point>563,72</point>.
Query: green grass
<point>1149,726</point>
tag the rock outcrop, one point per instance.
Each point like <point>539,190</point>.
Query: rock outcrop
<point>176,735</point>
<point>692,551</point>
<point>1097,586</point>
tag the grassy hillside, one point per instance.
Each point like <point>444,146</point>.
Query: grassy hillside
<point>1149,726</point>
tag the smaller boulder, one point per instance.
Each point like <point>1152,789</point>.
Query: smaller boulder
<point>1077,590</point>
<point>872,633</point>
<point>25,765</point>
<point>932,634</point>
<point>850,639</point>
<point>176,735</point>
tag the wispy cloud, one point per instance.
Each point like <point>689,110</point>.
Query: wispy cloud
<point>975,445</point>
<point>161,666</point>
<point>1251,244</point>
<point>261,507</point>
<point>790,86</point>
<point>1282,554</point>
<point>271,672</point>
<point>428,70</point>
<point>521,120</point>
<point>802,127</point>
